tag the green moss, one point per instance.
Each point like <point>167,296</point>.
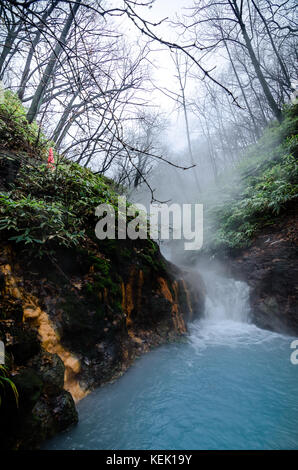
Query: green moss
<point>100,264</point>
<point>49,208</point>
<point>15,131</point>
<point>126,253</point>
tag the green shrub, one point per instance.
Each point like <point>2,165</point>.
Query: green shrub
<point>15,131</point>
<point>264,183</point>
<point>49,207</point>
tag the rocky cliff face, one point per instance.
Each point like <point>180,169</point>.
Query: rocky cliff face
<point>76,320</point>
<point>270,268</point>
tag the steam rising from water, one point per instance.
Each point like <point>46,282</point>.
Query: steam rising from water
<point>226,320</point>
<point>227,299</point>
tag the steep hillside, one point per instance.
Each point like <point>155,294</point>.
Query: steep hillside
<point>255,193</point>
<point>75,311</point>
<point>252,224</point>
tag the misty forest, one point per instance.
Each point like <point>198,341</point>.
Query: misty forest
<point>181,107</point>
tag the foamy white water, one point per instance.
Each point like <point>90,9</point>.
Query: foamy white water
<point>227,315</point>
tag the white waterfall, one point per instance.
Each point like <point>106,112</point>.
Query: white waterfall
<point>226,299</point>
<point>226,316</point>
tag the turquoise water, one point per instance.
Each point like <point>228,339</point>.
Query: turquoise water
<point>231,385</point>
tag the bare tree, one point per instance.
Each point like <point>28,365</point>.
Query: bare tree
<point>69,62</point>
<point>37,36</point>
<point>48,72</point>
<point>182,76</point>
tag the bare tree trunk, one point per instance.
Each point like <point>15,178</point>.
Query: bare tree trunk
<point>64,117</point>
<point>184,106</point>
<point>280,61</point>
<point>271,101</point>
<point>41,89</point>
<point>260,107</point>
<point>211,153</point>
<point>26,70</point>
<point>242,91</point>
<point>7,47</point>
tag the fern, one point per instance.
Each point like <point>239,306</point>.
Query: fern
<point>5,380</point>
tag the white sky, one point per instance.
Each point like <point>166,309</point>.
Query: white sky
<point>163,70</point>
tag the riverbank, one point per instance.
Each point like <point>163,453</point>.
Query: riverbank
<point>66,334</point>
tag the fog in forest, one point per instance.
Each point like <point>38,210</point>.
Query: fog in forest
<point>166,98</point>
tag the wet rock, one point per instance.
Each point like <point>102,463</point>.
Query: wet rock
<point>24,343</point>
<point>50,369</point>
<point>29,386</point>
<point>11,308</point>
<point>63,411</point>
<point>270,268</point>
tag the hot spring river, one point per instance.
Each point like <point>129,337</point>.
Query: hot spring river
<point>231,385</point>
